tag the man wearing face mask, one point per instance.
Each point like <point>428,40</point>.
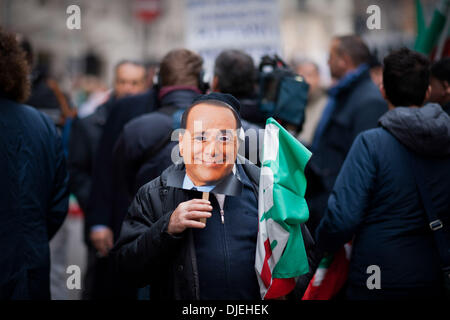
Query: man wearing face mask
<point>163,241</point>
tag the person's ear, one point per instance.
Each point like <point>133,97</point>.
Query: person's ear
<point>385,97</point>
<point>383,91</point>
<point>447,87</point>
<point>215,84</point>
<point>428,93</point>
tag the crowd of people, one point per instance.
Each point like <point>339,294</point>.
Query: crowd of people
<point>138,164</point>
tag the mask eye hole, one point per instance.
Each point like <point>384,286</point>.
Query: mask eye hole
<point>200,138</point>
<point>223,138</point>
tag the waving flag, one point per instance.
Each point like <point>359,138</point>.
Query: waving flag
<point>280,251</point>
<point>428,37</point>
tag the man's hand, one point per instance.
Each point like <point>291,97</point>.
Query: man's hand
<point>187,214</point>
<point>102,239</point>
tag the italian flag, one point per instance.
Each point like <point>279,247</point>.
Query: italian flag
<point>280,251</point>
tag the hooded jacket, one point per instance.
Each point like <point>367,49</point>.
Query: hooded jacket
<point>375,200</point>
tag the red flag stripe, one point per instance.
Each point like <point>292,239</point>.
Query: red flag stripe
<point>266,274</point>
<point>280,288</point>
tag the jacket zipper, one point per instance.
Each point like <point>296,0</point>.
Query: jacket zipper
<point>222,216</point>
<point>221,205</point>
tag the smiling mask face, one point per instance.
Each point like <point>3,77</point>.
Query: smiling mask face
<point>209,144</point>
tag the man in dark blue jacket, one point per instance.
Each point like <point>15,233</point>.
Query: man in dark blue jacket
<point>355,104</point>
<point>376,201</point>
<point>33,187</point>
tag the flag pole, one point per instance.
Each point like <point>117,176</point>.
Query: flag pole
<point>205,196</point>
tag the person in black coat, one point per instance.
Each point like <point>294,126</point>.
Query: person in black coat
<point>130,79</point>
<point>355,104</point>
<point>376,201</point>
<point>33,187</point>
<point>163,244</point>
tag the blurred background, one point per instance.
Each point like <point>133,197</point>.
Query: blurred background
<point>147,29</point>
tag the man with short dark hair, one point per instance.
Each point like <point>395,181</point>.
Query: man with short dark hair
<point>376,200</point>
<point>354,105</point>
<point>235,74</point>
<point>163,242</point>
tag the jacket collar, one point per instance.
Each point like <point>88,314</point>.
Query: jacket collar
<point>349,80</point>
<point>165,91</point>
<point>425,130</point>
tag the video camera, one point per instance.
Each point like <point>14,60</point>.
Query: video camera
<point>283,94</point>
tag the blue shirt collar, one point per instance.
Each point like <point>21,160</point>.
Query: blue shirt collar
<point>188,185</point>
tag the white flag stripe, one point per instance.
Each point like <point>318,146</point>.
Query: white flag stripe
<point>319,276</point>
<point>279,234</point>
<point>266,184</point>
<point>271,143</point>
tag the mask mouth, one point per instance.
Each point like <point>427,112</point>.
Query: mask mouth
<point>206,160</point>
<point>211,162</point>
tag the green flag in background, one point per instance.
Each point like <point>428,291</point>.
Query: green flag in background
<point>427,38</point>
<point>280,253</point>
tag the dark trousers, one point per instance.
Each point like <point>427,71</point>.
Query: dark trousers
<point>101,282</point>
